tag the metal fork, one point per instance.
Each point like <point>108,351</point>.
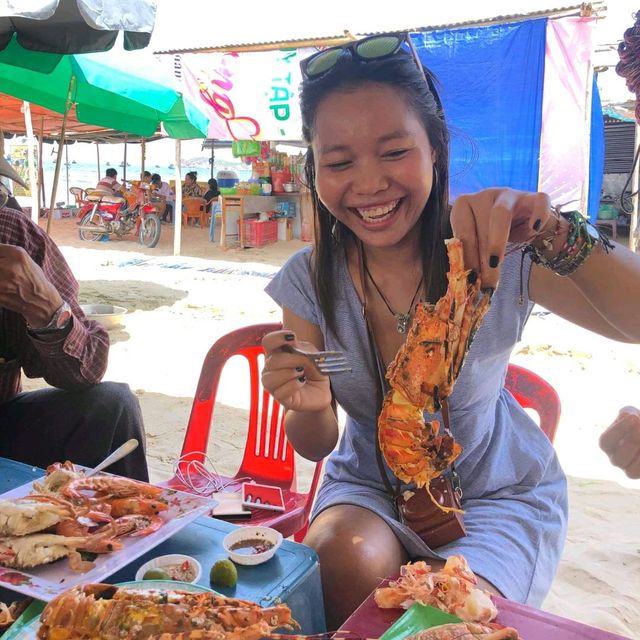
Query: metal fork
<point>325,362</point>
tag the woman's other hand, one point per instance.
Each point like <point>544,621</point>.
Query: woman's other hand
<point>292,379</point>
<point>487,220</point>
<point>621,441</point>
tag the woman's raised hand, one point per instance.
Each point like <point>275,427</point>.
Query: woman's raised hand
<point>290,378</point>
<point>487,220</point>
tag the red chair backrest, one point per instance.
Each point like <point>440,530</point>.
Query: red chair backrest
<point>266,440</point>
<point>533,392</point>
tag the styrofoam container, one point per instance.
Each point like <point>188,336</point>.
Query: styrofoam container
<point>163,561</point>
<point>251,533</point>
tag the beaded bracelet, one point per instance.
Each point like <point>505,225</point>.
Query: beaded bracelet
<point>576,249</point>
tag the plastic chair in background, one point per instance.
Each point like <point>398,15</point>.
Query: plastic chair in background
<point>79,195</point>
<point>194,209</point>
<point>533,392</point>
<point>268,457</point>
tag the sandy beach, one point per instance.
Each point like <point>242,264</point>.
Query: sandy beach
<point>178,306</point>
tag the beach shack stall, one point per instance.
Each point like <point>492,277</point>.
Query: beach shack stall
<point>127,91</point>
<point>529,80</point>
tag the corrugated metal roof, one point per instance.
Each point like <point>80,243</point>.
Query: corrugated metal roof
<point>292,33</point>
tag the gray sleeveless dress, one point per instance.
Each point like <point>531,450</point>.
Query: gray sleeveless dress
<point>515,494</point>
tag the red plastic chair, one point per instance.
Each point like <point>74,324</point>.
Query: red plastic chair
<point>268,456</point>
<point>533,392</point>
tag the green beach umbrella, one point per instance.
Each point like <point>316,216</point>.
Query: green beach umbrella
<point>127,91</point>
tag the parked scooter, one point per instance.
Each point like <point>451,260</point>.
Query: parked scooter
<point>103,214</point>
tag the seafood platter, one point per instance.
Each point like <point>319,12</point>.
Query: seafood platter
<point>66,529</point>
<point>141,611</point>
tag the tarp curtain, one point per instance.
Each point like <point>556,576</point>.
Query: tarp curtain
<point>596,159</point>
<point>491,88</point>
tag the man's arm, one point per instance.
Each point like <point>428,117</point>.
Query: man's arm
<point>34,280</point>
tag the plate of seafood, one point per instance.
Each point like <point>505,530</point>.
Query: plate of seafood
<point>65,529</point>
<point>117,611</point>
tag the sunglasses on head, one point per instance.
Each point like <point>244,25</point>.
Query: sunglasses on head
<point>372,48</point>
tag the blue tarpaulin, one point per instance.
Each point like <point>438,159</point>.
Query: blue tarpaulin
<point>491,87</point>
<point>596,153</point>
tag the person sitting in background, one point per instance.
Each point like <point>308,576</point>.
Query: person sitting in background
<point>191,188</point>
<point>44,333</point>
<point>165,193</point>
<point>621,442</point>
<point>142,187</point>
<point>212,193</point>
<point>109,185</point>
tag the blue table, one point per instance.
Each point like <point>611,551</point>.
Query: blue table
<point>292,576</point>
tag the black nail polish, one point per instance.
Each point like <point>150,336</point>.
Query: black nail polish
<point>289,337</point>
<point>302,379</point>
<point>299,369</point>
<point>472,277</point>
<point>494,261</point>
<point>537,224</point>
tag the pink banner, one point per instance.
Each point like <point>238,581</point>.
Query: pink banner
<point>248,96</point>
<point>565,140</point>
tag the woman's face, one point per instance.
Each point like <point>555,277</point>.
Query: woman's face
<point>189,179</point>
<point>374,162</point>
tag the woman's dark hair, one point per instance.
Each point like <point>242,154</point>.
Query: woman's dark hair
<point>401,73</point>
<point>111,173</point>
<point>193,175</point>
<point>146,174</point>
<point>156,179</point>
<point>213,185</point>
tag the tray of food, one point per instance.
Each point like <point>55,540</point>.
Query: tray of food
<point>116,611</point>
<point>65,529</point>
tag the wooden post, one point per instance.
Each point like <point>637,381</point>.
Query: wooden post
<point>124,171</point>
<point>98,158</point>
<point>33,182</point>
<point>177,213</point>
<point>56,175</point>
<point>143,153</point>
<point>66,166</point>
<point>42,199</point>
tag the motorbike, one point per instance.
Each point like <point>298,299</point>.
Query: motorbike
<point>103,214</point>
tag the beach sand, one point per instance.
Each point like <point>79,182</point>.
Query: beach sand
<point>179,306</point>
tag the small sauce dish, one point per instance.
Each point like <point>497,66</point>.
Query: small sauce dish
<point>177,566</point>
<point>252,545</point>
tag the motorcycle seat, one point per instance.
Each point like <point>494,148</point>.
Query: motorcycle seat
<point>97,196</point>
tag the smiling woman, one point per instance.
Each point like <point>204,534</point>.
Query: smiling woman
<point>377,166</point>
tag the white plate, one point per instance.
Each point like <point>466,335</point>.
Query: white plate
<point>170,559</point>
<point>47,581</point>
<point>29,631</point>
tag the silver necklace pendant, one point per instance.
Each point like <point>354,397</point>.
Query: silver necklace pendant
<point>403,322</point>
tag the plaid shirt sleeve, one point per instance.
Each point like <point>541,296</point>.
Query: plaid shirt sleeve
<point>78,360</point>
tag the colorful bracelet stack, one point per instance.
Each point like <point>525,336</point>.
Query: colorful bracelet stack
<point>581,239</point>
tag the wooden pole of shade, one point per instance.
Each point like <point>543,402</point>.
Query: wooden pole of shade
<point>124,171</point>
<point>56,175</point>
<point>177,213</point>
<point>98,159</point>
<point>31,148</point>
<point>42,200</point>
